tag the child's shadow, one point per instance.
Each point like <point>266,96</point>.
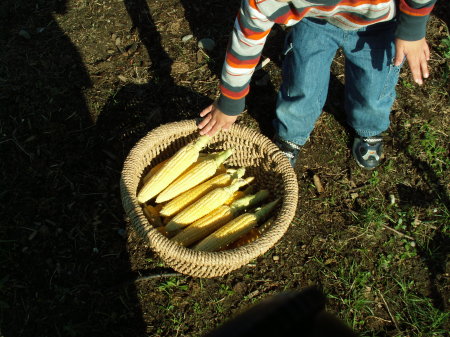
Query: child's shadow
<point>138,108</point>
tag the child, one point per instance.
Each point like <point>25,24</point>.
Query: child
<point>376,36</point>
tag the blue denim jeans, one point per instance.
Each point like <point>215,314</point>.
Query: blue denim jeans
<point>370,77</point>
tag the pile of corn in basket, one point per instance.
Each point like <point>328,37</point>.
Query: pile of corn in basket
<point>208,205</point>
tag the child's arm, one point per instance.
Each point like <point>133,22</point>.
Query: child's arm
<point>410,41</point>
<point>214,121</point>
<point>243,53</point>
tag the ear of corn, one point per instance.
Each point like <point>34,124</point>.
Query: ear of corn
<point>234,229</point>
<point>204,226</point>
<point>195,175</point>
<point>236,195</point>
<point>249,201</point>
<point>152,215</point>
<point>251,236</point>
<point>153,170</point>
<point>188,197</point>
<point>217,218</point>
<point>175,166</point>
<point>163,231</point>
<point>266,225</point>
<point>204,205</point>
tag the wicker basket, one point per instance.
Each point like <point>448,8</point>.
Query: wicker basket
<point>252,150</point>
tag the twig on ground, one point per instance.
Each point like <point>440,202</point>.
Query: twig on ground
<point>159,275</point>
<point>262,64</point>
<point>389,311</point>
<point>399,233</point>
<point>318,183</point>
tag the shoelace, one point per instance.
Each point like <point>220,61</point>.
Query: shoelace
<point>371,141</point>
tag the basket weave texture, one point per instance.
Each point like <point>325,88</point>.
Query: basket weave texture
<point>261,158</point>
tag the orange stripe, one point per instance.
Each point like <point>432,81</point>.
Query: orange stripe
<point>413,11</point>
<point>292,16</point>
<point>233,94</point>
<point>358,3</point>
<point>237,63</point>
<point>351,4</point>
<point>357,20</point>
<point>253,5</point>
<point>240,65</point>
<point>250,34</point>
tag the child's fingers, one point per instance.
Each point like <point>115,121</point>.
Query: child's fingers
<point>416,71</point>
<point>207,128</point>
<point>427,51</point>
<point>206,111</point>
<point>204,122</point>
<point>399,57</point>
<point>424,68</point>
<point>216,128</point>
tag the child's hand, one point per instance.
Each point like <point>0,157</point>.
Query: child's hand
<point>417,54</point>
<point>214,121</point>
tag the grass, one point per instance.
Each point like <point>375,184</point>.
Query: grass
<point>172,285</point>
<point>366,287</point>
<point>418,315</point>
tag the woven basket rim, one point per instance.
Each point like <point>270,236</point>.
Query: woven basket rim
<point>174,253</point>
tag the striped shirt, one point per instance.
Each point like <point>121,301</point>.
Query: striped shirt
<point>256,18</point>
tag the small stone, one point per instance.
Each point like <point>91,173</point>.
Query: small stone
<point>276,258</point>
<point>392,199</point>
<point>240,288</point>
<point>32,235</point>
<point>186,38</point>
<point>23,33</point>
<point>117,41</point>
<point>354,196</point>
<point>206,44</point>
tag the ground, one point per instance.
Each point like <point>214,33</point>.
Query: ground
<point>82,81</point>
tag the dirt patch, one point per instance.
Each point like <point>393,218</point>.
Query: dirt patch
<point>81,82</point>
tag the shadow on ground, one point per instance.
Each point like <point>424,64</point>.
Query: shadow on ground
<point>63,255</point>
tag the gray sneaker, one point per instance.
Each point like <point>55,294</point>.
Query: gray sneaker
<point>367,151</point>
<point>290,150</point>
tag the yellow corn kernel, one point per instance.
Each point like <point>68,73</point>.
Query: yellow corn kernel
<point>217,218</point>
<point>152,215</point>
<point>183,200</point>
<point>163,231</point>
<point>194,176</point>
<point>251,236</point>
<point>153,170</point>
<point>234,229</point>
<point>204,205</point>
<point>204,226</point>
<point>236,195</point>
<point>173,168</point>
